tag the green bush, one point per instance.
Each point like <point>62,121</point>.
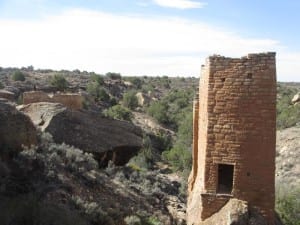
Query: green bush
<point>58,81</point>
<point>113,101</point>
<point>130,100</point>
<point>148,88</point>
<point>179,157</point>
<point>142,220</point>
<point>97,78</point>
<point>94,89</point>
<point>145,159</point>
<point>114,76</point>
<point>288,205</point>
<point>18,76</point>
<point>1,85</point>
<point>133,220</point>
<point>119,112</point>
<point>288,115</point>
<point>137,82</point>
<point>165,81</point>
<point>172,108</point>
<point>158,110</point>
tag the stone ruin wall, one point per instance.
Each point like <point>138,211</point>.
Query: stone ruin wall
<point>72,101</point>
<point>236,126</point>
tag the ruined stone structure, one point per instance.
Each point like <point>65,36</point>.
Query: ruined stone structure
<point>72,101</point>
<point>234,136</point>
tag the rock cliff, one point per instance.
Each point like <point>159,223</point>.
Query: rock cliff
<point>16,130</point>
<point>107,139</point>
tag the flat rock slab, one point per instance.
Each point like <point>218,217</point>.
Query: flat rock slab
<point>106,138</point>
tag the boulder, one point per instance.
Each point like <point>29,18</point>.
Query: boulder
<point>142,99</point>
<point>16,130</point>
<point>296,98</point>
<point>107,139</point>
<point>7,95</point>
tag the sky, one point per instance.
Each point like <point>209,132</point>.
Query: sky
<point>147,37</point>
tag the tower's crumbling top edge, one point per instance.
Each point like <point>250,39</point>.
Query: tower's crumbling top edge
<point>249,56</point>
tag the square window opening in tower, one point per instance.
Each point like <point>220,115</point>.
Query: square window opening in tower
<point>225,178</point>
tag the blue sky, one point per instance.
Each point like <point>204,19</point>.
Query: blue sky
<point>147,37</point>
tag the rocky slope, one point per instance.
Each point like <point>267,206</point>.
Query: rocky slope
<point>54,184</point>
<point>288,156</point>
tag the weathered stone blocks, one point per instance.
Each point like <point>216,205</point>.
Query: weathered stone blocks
<point>234,136</point>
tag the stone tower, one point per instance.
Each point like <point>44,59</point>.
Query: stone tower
<point>234,136</point>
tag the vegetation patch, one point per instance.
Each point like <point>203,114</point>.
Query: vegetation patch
<point>18,76</point>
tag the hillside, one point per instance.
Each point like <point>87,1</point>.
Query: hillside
<point>151,187</point>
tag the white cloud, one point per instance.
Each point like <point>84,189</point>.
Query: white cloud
<point>180,4</point>
<point>132,45</point>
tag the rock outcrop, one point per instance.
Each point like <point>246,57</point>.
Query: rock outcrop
<point>16,130</point>
<point>288,157</point>
<point>237,212</point>
<point>107,139</point>
<point>142,99</point>
<point>7,95</point>
<point>296,98</point>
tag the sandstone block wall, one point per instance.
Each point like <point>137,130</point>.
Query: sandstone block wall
<point>237,127</point>
<point>72,101</point>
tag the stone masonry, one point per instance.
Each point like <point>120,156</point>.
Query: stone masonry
<point>72,101</point>
<point>234,136</point>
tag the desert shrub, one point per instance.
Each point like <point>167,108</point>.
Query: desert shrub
<point>142,220</point>
<point>145,158</point>
<point>97,78</point>
<point>93,211</point>
<point>54,156</point>
<point>165,81</point>
<point>148,87</point>
<point>137,82</point>
<point>164,141</point>
<point>113,101</point>
<point>59,81</point>
<point>94,89</point>
<point>180,155</point>
<point>140,161</point>
<point>118,112</point>
<point>185,129</point>
<point>153,221</point>
<point>130,100</point>
<point>171,109</point>
<point>133,220</point>
<point>29,209</point>
<point>103,95</point>
<point>158,110</point>
<point>288,115</point>
<point>18,76</point>
<point>114,76</point>
<point>288,205</point>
